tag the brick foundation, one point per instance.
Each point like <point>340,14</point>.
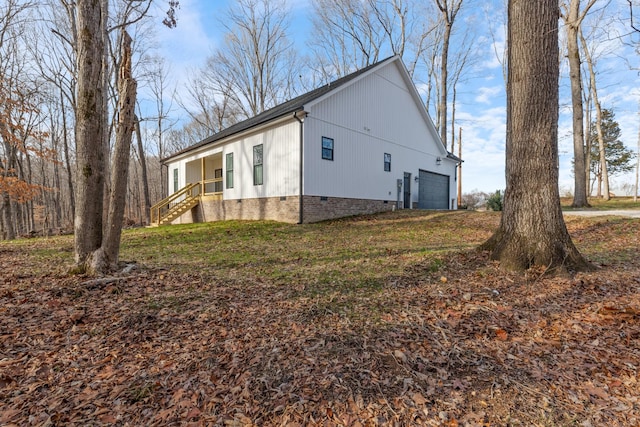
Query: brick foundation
<point>320,209</point>
<point>283,209</point>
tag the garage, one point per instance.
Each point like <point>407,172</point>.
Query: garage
<point>433,191</point>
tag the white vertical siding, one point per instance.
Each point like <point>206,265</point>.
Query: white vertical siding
<point>375,115</point>
<point>281,159</point>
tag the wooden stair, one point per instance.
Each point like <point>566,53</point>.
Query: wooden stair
<point>182,207</point>
<point>180,202</point>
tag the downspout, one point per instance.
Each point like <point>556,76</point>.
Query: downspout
<point>301,204</point>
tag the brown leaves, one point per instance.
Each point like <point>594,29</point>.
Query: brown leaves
<point>164,348</point>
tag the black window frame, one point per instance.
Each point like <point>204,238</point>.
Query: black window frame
<point>387,162</point>
<point>327,152</point>
<point>229,172</point>
<point>175,180</point>
<point>258,164</point>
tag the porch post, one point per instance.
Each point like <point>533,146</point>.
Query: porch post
<point>202,175</point>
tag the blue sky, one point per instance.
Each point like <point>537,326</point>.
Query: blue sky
<point>480,108</point>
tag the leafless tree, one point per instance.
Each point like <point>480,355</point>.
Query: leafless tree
<point>573,16</point>
<point>590,61</point>
<point>156,72</point>
<point>210,104</point>
<point>89,130</point>
<point>255,66</point>
<point>351,34</point>
<point>107,255</point>
<point>532,231</point>
<point>449,10</point>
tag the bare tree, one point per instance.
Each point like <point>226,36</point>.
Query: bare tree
<point>89,131</point>
<point>346,36</point>
<point>573,17</point>
<point>107,255</point>
<point>210,103</point>
<point>532,229</point>
<point>142,158</point>
<point>157,76</point>
<point>604,175</point>
<point>256,61</point>
<point>350,34</point>
<point>449,10</point>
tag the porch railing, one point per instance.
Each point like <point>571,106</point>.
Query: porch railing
<point>175,202</point>
<point>212,186</point>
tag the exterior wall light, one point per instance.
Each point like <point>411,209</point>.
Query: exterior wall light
<point>438,161</point>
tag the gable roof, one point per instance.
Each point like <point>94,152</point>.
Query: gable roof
<point>280,110</point>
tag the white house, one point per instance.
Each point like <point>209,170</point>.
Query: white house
<point>361,144</point>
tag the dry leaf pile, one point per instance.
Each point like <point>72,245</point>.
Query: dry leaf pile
<point>467,345</point>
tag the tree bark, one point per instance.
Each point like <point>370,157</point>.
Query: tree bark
<point>89,132</point>
<point>7,218</point>
<point>145,179</point>
<point>573,20</point>
<point>67,161</point>
<point>122,154</point>
<point>603,179</point>
<point>532,229</point>
<point>443,79</point>
<point>579,172</point>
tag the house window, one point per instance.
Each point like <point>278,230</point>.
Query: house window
<point>175,180</point>
<point>327,148</point>
<point>257,165</point>
<point>230,170</point>
<point>387,162</point>
<point>217,186</point>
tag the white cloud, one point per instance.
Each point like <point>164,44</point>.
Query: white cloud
<point>486,95</point>
<point>187,45</point>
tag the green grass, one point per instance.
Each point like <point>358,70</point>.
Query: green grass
<point>354,255</point>
<point>614,203</point>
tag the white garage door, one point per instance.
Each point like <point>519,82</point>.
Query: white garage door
<point>433,191</point>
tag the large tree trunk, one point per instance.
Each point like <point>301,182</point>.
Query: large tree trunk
<point>532,230</point>
<point>89,132</point>
<point>7,217</point>
<point>122,154</point>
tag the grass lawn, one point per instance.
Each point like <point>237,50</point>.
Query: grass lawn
<point>391,319</point>
<point>599,204</point>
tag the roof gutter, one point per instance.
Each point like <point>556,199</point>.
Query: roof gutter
<point>301,138</point>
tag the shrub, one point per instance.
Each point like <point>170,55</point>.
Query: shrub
<point>494,202</point>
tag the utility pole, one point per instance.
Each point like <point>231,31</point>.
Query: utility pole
<point>460,167</point>
<point>635,190</point>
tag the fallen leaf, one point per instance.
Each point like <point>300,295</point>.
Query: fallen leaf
<point>501,334</point>
<point>418,399</point>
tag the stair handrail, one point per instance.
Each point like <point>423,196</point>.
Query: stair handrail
<point>164,206</point>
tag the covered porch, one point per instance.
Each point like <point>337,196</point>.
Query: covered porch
<point>203,177</point>
<point>207,171</point>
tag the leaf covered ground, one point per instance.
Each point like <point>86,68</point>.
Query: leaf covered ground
<point>383,320</point>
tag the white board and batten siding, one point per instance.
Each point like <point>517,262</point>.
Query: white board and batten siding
<point>281,163</point>
<point>190,168</point>
<point>376,114</point>
<point>281,160</point>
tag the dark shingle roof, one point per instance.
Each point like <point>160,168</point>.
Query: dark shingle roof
<point>288,107</point>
